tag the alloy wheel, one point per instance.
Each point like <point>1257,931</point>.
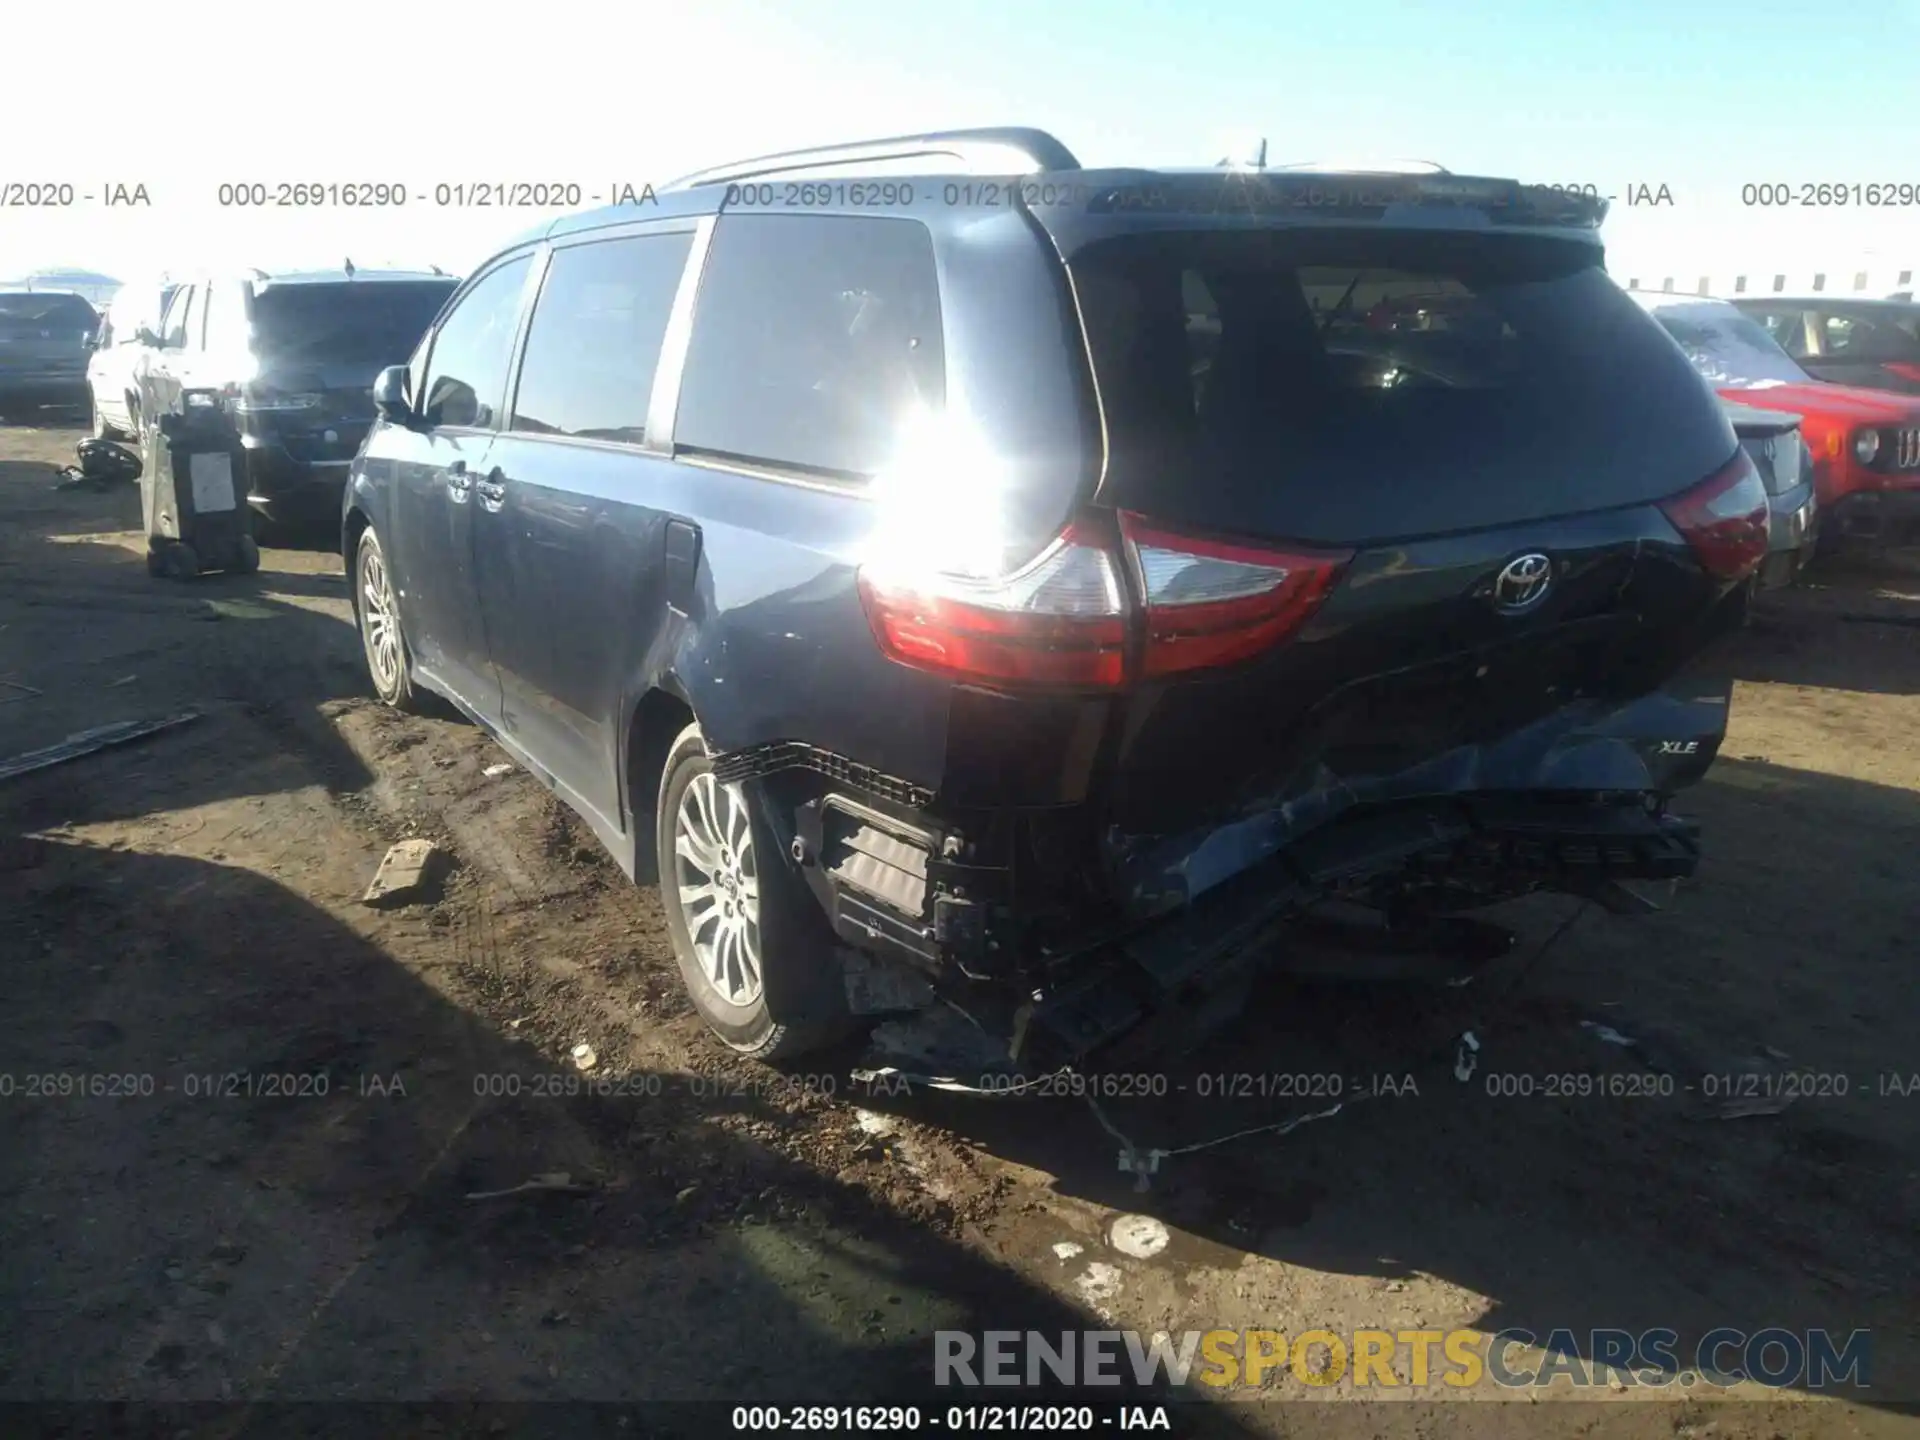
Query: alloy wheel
<point>379,620</point>
<point>718,884</point>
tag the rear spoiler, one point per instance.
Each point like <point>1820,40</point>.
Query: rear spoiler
<point>1438,199</point>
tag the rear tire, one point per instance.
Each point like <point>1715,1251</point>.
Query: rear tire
<point>376,609</point>
<point>754,951</point>
<point>246,556</point>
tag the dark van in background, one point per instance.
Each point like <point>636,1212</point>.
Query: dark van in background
<point>46,340</point>
<point>297,354</point>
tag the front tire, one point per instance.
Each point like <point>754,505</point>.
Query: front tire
<point>753,948</point>
<point>377,611</point>
<point>104,429</point>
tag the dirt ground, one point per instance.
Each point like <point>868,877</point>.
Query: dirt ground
<point>186,910</point>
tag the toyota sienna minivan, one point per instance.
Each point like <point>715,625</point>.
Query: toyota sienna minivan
<point>933,559</point>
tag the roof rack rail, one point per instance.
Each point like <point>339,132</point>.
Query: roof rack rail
<point>1000,147</point>
<point>1368,167</point>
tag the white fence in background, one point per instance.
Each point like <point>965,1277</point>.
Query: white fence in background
<point>1874,281</point>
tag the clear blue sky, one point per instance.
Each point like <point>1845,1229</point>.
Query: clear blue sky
<point>1697,97</point>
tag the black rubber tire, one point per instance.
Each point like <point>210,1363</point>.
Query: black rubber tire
<point>802,1004</point>
<point>246,560</point>
<point>156,563</point>
<point>401,695</point>
<point>182,561</point>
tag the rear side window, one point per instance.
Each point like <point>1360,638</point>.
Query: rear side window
<point>173,332</point>
<point>1853,338</point>
<point>814,339</point>
<point>467,368</point>
<point>594,343</point>
<point>1352,385</point>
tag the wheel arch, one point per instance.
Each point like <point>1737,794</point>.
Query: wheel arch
<point>653,724</point>
<point>355,525</point>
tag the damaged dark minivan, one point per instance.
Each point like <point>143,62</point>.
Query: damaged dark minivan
<point>1026,594</point>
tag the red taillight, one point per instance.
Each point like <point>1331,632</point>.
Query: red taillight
<point>1724,519</point>
<point>1209,603</point>
<point>1066,617</point>
<point>1059,620</point>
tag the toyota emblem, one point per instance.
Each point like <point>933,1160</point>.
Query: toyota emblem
<point>1522,583</point>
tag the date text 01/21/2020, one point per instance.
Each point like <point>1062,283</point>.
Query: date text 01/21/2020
<point>65,195</point>
<point>394,194</point>
<point>960,1419</point>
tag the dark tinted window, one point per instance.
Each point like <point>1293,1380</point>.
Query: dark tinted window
<point>366,322</point>
<point>1786,327</point>
<point>1346,385</point>
<point>1855,337</point>
<point>594,341</point>
<point>467,369</point>
<point>813,339</point>
<point>30,310</point>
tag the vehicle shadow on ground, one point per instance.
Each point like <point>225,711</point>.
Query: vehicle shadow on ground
<point>89,638</point>
<point>1640,1207</point>
<point>1852,627</point>
<point>190,1236</point>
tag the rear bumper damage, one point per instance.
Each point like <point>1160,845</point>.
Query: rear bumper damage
<point>1056,957</point>
<point>1655,745</point>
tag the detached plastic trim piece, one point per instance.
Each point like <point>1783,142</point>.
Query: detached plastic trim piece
<point>86,742</point>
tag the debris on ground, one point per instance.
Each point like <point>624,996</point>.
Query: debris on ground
<point>406,876</point>
<point>1466,1057</point>
<point>87,742</point>
<point>1748,1106</point>
<point>557,1182</point>
<point>240,610</point>
<point>583,1056</point>
<point>1140,1236</point>
<point>1608,1034</point>
<point>494,771</point>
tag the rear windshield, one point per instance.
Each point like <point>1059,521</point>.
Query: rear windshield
<point>27,310</point>
<point>371,321</point>
<point>1728,348</point>
<point>1344,385</point>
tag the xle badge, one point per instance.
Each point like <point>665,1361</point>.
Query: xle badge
<point>1679,747</point>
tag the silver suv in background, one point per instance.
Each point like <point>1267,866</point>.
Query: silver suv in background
<point>1773,442</point>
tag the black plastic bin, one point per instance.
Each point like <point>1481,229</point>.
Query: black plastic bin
<point>193,492</point>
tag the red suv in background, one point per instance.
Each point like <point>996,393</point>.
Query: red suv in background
<point>1865,443</point>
